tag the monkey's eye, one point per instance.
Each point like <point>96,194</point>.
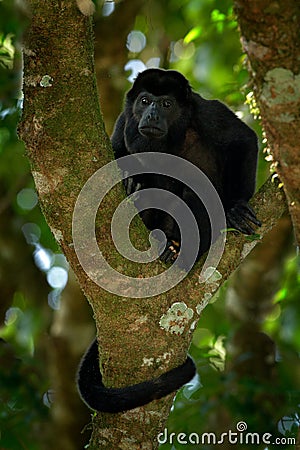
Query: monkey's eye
<point>166,104</point>
<point>145,101</point>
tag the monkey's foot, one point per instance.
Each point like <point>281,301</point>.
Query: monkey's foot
<point>242,217</point>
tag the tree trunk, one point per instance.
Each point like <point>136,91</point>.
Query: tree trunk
<point>69,413</point>
<point>270,36</point>
<point>66,143</point>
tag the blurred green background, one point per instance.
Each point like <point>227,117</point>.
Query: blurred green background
<point>247,342</point>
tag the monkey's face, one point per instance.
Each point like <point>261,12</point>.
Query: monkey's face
<point>155,114</point>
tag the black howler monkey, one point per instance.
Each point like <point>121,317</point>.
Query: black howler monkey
<point>163,114</point>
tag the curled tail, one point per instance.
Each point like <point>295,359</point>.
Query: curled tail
<point>114,400</point>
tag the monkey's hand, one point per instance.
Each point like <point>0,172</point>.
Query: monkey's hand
<point>242,217</point>
<point>130,184</point>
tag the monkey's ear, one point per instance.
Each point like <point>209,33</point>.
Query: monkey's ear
<point>86,7</point>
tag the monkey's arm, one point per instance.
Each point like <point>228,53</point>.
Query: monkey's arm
<point>114,400</point>
<point>241,175</point>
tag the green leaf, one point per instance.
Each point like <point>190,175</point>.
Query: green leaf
<point>281,295</point>
<point>217,16</point>
<point>193,34</point>
<point>253,237</point>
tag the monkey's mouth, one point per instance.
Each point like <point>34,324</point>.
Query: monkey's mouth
<point>154,132</point>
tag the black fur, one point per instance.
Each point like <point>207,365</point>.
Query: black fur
<point>114,400</point>
<point>206,133</point>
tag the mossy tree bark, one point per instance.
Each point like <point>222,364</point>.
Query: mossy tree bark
<point>66,143</point>
<point>270,34</point>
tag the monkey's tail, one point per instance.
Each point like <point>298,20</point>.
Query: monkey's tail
<point>114,400</point>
